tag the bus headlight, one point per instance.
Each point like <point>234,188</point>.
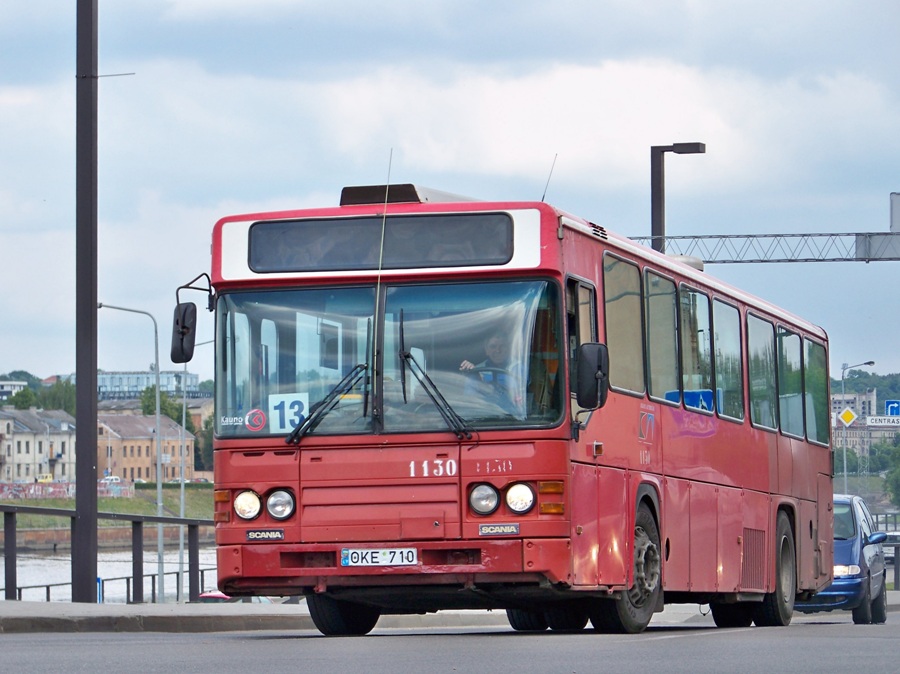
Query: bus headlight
<point>280,504</point>
<point>520,498</point>
<point>247,505</point>
<point>484,499</point>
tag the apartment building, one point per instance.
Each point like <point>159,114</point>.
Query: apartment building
<point>127,448</point>
<point>36,443</point>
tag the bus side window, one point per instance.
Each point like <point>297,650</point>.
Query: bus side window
<point>623,322</point>
<point>581,324</point>
<point>761,356</point>
<point>727,352</point>
<point>696,352</point>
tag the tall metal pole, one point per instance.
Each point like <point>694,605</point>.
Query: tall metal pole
<point>657,198</point>
<point>160,548</point>
<point>658,188</point>
<point>84,527</point>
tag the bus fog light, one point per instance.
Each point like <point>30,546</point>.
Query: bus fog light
<point>247,505</point>
<point>484,499</point>
<point>280,504</point>
<point>520,498</point>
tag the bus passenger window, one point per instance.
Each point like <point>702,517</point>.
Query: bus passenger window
<point>727,351</point>
<point>790,384</point>
<point>696,356</point>
<point>816,392</point>
<point>761,344</point>
<point>623,324</point>
<point>661,307</point>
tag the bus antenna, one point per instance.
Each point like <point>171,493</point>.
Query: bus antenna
<point>550,175</point>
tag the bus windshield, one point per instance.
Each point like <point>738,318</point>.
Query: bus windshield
<point>486,354</point>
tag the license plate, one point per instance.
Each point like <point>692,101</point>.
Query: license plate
<point>379,557</point>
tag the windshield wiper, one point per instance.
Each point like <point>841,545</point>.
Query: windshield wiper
<point>455,422</point>
<point>328,403</point>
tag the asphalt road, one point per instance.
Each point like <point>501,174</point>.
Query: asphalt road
<point>823,643</point>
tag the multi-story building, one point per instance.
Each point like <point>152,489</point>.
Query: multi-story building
<point>9,388</point>
<point>127,447</point>
<point>129,385</point>
<point>36,443</point>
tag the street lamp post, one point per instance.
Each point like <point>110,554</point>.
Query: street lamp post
<point>844,369</point>
<point>160,549</point>
<point>658,188</point>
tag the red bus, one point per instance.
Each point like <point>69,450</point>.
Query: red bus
<point>425,402</point>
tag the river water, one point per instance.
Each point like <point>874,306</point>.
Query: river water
<point>38,569</point>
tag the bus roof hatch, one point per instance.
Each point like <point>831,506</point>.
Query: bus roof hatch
<point>396,194</point>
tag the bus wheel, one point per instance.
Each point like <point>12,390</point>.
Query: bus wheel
<point>523,620</point>
<point>732,615</point>
<point>335,618</point>
<point>566,617</point>
<point>632,612</point>
<point>777,607</point>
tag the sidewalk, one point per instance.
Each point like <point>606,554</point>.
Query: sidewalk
<point>33,616</point>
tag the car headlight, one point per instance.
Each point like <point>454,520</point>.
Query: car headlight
<point>280,504</point>
<point>484,499</point>
<point>520,498</point>
<point>844,570</point>
<point>247,505</point>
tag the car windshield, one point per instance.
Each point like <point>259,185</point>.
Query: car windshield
<point>450,357</point>
<point>844,524</point>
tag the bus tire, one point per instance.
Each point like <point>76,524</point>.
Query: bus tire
<point>523,620</point>
<point>732,615</point>
<point>566,617</point>
<point>777,607</point>
<point>335,618</point>
<point>631,613</point>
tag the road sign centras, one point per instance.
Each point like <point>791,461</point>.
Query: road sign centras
<point>847,417</point>
<point>883,421</point>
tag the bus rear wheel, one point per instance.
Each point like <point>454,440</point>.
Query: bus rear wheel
<point>732,615</point>
<point>631,613</point>
<point>335,618</point>
<point>777,608</point>
<point>566,617</point>
<point>523,620</point>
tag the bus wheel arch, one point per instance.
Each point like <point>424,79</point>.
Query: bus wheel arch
<point>777,606</point>
<point>632,610</point>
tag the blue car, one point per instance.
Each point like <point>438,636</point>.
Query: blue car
<point>859,572</point>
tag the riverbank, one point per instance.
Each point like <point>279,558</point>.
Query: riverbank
<point>108,538</point>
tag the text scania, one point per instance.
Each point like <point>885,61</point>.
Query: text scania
<point>265,535</point>
<point>498,529</point>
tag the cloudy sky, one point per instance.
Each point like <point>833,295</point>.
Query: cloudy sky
<point>239,106</point>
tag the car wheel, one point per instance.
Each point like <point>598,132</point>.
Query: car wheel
<point>879,606</point>
<point>862,614</point>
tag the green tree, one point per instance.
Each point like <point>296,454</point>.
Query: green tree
<point>60,396</point>
<point>892,485</point>
<point>203,460</point>
<point>24,399</point>
<point>167,407</point>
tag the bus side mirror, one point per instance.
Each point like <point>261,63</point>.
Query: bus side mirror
<point>592,376</point>
<point>184,331</point>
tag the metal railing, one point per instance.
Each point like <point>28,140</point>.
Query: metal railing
<point>137,547</point>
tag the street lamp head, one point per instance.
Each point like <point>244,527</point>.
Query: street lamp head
<point>869,362</point>
<point>689,148</point>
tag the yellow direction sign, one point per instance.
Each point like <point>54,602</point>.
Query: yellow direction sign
<point>847,417</point>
